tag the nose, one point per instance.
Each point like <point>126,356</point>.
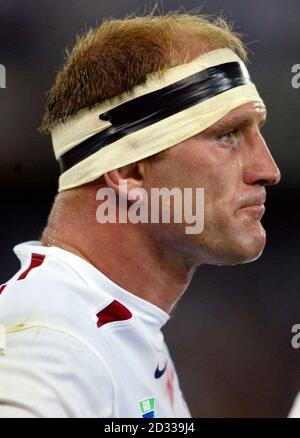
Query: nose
<point>261,167</point>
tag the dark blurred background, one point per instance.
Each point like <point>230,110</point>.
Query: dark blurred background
<point>231,334</point>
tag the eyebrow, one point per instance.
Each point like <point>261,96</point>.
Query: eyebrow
<point>238,120</point>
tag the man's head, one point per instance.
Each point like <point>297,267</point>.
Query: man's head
<point>229,159</point>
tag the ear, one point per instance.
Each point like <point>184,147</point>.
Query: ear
<point>133,174</point>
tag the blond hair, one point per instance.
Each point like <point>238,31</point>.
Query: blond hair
<point>119,54</point>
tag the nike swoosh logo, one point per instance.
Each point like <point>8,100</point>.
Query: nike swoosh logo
<point>158,373</point>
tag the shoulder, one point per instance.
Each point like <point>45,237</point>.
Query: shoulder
<point>48,321</point>
<point>46,290</point>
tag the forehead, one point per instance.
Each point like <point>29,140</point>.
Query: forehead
<point>252,112</point>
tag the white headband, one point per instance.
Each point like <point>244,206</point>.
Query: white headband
<point>151,139</point>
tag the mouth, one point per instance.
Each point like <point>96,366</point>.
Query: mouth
<point>253,205</point>
<point>255,210</point>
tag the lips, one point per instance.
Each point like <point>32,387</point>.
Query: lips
<point>253,205</point>
<point>252,200</point>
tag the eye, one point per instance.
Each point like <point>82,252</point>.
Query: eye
<point>231,137</point>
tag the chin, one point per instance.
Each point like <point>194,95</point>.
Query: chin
<point>240,249</point>
<point>249,248</point>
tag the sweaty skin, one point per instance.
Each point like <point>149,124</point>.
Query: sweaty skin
<point>233,164</point>
<point>230,160</point>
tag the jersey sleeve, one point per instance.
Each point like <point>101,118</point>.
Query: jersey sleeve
<point>48,373</point>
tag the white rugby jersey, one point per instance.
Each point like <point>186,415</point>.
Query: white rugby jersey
<point>295,411</point>
<point>75,344</point>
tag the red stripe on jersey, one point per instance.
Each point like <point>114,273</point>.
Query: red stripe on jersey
<point>36,261</point>
<point>115,311</point>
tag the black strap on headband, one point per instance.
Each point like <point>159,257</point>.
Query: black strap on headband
<point>145,110</point>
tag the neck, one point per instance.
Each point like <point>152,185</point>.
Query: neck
<point>126,253</point>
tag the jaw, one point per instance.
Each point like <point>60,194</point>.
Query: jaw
<point>246,246</point>
<point>238,243</point>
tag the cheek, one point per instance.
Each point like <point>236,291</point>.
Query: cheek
<point>190,170</point>
<point>216,183</point>
<point>201,165</point>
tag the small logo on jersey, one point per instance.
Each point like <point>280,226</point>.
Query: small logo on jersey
<point>158,373</point>
<point>147,407</point>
